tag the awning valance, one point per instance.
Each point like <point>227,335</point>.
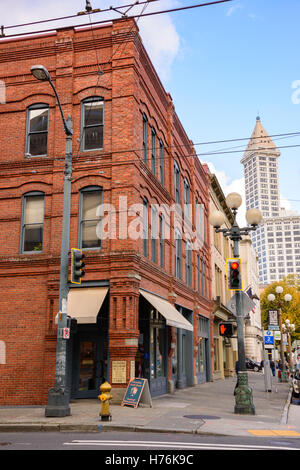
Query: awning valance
<point>84,303</point>
<point>166,309</point>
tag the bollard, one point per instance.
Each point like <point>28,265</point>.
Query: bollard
<point>105,396</point>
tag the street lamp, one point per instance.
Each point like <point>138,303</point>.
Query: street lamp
<point>243,394</point>
<point>58,399</point>
<point>289,328</point>
<point>279,302</point>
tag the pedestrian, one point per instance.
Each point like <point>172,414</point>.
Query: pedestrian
<point>272,365</point>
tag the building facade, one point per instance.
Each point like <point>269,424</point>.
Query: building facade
<point>253,329</point>
<point>221,247</point>
<point>277,239</point>
<point>139,212</point>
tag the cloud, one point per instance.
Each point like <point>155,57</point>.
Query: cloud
<point>233,9</point>
<point>158,32</point>
<point>231,186</point>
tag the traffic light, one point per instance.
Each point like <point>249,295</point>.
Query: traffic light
<point>226,329</point>
<point>77,265</point>
<point>234,274</point>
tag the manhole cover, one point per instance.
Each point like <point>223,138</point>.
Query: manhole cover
<point>201,417</point>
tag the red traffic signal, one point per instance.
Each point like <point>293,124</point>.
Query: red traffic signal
<point>226,329</point>
<point>234,274</point>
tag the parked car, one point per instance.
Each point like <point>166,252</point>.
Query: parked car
<point>253,365</point>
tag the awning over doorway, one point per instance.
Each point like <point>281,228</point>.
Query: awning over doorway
<point>84,303</point>
<point>166,309</point>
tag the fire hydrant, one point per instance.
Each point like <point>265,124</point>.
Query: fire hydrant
<point>105,396</point>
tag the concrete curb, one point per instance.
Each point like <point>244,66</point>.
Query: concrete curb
<point>284,417</point>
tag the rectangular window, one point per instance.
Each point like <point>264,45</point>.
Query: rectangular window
<point>145,133</point>
<point>161,162</point>
<point>188,264</point>
<point>90,219</point>
<point>154,234</point>
<point>161,241</point>
<point>92,124</point>
<point>32,223</point>
<point>177,255</point>
<point>37,130</point>
<point>145,227</point>
<point>153,151</point>
<point>187,209</point>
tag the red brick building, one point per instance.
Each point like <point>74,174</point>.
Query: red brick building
<point>143,307</point>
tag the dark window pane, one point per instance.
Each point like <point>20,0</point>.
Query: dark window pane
<point>93,113</point>
<point>33,237</point>
<point>38,143</point>
<point>93,138</point>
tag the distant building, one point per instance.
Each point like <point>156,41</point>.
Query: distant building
<point>277,239</point>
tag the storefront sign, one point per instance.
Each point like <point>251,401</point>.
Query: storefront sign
<point>137,392</point>
<point>118,372</point>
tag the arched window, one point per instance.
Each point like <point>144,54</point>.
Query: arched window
<point>32,224</point>
<point>90,217</point>
<point>92,123</point>
<point>145,134</point>
<point>176,182</point>
<point>37,130</point>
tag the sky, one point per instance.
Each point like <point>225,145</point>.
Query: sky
<point>223,65</point>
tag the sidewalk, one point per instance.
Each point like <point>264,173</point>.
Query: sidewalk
<point>204,409</point>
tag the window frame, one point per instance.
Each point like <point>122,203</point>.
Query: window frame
<point>178,251</point>
<point>145,227</point>
<point>23,214</point>
<point>28,132</point>
<point>161,162</point>
<point>145,138</point>
<point>153,151</point>
<point>91,99</point>
<point>177,193</point>
<point>85,190</point>
<point>188,263</point>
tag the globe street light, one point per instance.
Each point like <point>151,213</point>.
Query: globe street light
<point>58,398</point>
<point>279,302</point>
<point>243,394</point>
<point>289,328</point>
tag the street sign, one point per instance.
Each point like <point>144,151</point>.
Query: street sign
<point>273,327</point>
<point>269,338</point>
<point>277,335</point>
<point>247,304</point>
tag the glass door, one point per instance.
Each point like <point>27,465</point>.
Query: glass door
<point>87,366</point>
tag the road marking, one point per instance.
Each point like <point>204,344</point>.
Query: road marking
<point>172,445</point>
<point>273,432</point>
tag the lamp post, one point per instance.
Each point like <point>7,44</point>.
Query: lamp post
<point>58,399</point>
<point>243,393</point>
<point>279,302</point>
<point>289,328</point>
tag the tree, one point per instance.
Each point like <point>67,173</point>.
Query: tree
<point>290,310</point>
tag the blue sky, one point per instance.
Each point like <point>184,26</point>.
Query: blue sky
<point>222,65</point>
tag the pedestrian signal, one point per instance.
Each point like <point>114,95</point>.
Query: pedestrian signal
<point>226,329</point>
<point>77,265</point>
<point>234,274</point>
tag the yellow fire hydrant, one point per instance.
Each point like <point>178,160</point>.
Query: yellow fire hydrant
<point>105,396</point>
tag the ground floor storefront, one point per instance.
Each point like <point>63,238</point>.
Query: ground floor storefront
<point>171,347</point>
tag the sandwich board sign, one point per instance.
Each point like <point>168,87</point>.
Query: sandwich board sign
<point>137,392</point>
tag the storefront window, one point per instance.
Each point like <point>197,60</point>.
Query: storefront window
<point>200,356</point>
<point>157,346</point>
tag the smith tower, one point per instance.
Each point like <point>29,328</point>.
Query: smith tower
<point>277,239</point>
